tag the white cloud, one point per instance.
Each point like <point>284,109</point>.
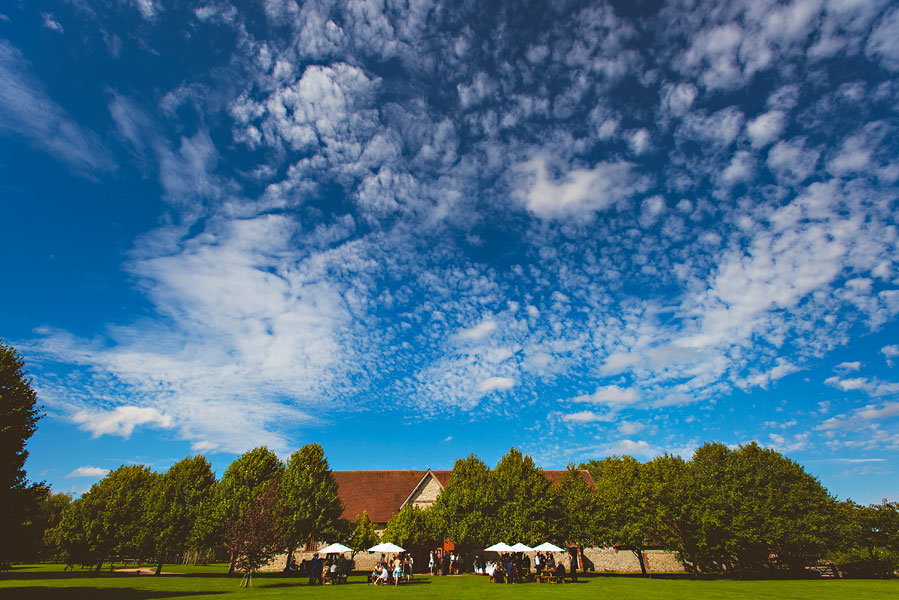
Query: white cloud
<point>586,416</point>
<point>579,193</point>
<point>740,169</point>
<point>611,395</point>
<point>766,128</point>
<point>51,23</point>
<point>27,110</point>
<point>639,448</point>
<point>792,161</point>
<point>121,420</point>
<point>147,8</point>
<point>853,383</point>
<point>618,363</point>
<point>87,471</point>
<point>848,366</point>
<point>479,331</point>
<point>630,427</point>
<point>492,384</point>
<point>883,43</point>
<point>640,141</point>
<point>888,409</point>
<point>679,98</point>
<point>719,128</point>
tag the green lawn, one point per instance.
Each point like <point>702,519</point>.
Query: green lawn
<point>50,581</point>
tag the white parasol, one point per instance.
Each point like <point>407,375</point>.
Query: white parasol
<point>335,549</point>
<point>519,547</point>
<point>386,547</point>
<point>500,547</point>
<point>547,547</point>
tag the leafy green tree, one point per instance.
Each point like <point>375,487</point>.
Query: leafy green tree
<point>576,510</point>
<point>873,540</point>
<point>360,534</point>
<point>46,515</point>
<point>75,538</point>
<point>312,507</point>
<point>466,509</point>
<point>242,483</point>
<point>110,519</point>
<point>524,499</point>
<point>175,504</point>
<point>254,538</point>
<point>413,527</point>
<point>19,414</point>
<point>749,510</point>
<point>628,518</point>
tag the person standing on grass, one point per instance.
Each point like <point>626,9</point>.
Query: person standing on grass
<point>573,565</point>
<point>431,564</point>
<point>314,569</point>
<point>397,570</point>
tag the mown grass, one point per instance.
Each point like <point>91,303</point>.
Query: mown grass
<point>211,583</point>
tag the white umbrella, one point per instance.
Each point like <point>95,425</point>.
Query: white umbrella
<point>519,547</point>
<point>500,547</point>
<point>335,549</point>
<point>386,547</point>
<point>547,547</point>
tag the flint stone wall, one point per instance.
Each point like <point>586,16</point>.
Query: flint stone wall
<point>604,560</point>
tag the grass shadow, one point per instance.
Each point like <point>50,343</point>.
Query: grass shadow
<point>93,593</point>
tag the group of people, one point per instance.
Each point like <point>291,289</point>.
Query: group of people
<point>331,568</point>
<point>516,567</point>
<point>392,570</point>
<point>444,562</point>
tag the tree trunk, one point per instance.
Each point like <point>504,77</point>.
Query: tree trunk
<point>639,553</point>
<point>231,565</point>
<point>158,568</point>
<point>99,566</point>
<point>290,552</point>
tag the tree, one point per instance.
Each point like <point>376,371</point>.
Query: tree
<point>254,538</point>
<point>466,509</point>
<point>243,482</point>
<point>175,504</point>
<point>524,499</point>
<point>749,510</point>
<point>312,507</point>
<point>46,515</point>
<point>109,519</point>
<point>360,535</point>
<point>19,414</point>
<point>413,527</point>
<point>576,510</point>
<point>873,536</point>
<point>627,519</point>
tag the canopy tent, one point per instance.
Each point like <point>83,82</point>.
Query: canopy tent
<point>386,547</point>
<point>519,547</point>
<point>500,547</point>
<point>335,549</point>
<point>547,547</point>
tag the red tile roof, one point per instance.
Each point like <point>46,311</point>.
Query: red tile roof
<point>381,493</point>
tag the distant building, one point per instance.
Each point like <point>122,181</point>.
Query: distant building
<point>384,493</point>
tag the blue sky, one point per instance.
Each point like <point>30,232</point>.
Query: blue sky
<point>415,230</point>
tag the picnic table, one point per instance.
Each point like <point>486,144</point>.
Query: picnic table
<point>548,576</point>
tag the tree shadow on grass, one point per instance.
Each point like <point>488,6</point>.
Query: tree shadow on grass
<point>93,593</point>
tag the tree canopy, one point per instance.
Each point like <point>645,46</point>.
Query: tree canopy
<point>312,507</point>
<point>19,414</point>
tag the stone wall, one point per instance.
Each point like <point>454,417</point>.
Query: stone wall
<point>611,560</point>
<point>604,560</point>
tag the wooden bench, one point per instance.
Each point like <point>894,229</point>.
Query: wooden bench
<point>549,577</point>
